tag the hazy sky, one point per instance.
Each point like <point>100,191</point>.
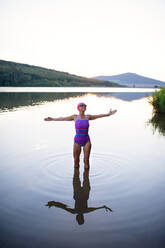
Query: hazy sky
<point>85,37</point>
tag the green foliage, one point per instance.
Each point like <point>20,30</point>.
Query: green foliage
<point>158,123</point>
<point>158,100</point>
<point>16,74</point>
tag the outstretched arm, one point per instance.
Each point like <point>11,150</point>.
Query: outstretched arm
<point>88,210</point>
<point>60,205</point>
<point>68,118</point>
<point>93,117</point>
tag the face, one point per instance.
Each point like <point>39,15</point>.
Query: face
<point>82,107</point>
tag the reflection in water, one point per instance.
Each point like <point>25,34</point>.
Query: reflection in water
<point>158,123</point>
<point>126,96</point>
<point>9,101</point>
<point>81,196</point>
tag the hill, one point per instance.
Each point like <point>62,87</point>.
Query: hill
<point>17,74</point>
<point>133,80</point>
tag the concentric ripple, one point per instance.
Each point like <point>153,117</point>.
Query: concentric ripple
<point>55,174</point>
<point>114,181</point>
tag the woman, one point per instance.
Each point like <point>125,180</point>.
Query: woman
<point>81,138</point>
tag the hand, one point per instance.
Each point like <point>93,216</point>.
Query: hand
<point>111,112</point>
<point>107,208</point>
<point>48,119</point>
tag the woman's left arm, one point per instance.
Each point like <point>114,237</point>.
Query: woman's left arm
<point>93,117</point>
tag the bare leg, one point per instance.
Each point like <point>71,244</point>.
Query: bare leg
<point>76,172</point>
<point>87,149</point>
<point>76,154</point>
<point>86,172</point>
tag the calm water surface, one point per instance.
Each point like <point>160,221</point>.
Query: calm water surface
<point>45,203</point>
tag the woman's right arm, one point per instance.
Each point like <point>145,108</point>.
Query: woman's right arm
<point>68,118</point>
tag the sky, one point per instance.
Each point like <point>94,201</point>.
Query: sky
<point>85,37</point>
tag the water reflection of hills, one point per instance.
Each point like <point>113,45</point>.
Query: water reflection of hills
<point>10,100</point>
<point>15,100</point>
<point>127,96</point>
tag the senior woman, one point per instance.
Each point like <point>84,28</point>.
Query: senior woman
<point>81,138</point>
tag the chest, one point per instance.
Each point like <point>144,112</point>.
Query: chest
<point>82,124</point>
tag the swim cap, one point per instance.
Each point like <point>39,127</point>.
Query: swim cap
<point>80,104</point>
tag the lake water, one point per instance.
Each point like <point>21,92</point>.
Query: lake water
<point>45,203</point>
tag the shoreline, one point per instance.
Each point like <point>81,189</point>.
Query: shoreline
<point>76,89</point>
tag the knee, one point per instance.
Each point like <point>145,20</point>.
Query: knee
<point>86,160</point>
<point>76,160</point>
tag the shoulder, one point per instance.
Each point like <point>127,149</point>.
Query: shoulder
<point>88,116</point>
<point>91,117</point>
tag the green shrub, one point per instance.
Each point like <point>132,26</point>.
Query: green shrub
<point>158,100</point>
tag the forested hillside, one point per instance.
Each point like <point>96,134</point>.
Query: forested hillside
<point>17,74</point>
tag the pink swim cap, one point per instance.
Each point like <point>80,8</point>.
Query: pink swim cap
<point>80,104</point>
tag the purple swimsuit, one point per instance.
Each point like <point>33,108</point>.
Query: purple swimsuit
<point>81,126</point>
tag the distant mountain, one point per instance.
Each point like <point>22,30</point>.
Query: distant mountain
<point>132,80</point>
<point>17,74</point>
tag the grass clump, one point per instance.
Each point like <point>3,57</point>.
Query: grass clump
<point>158,101</point>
